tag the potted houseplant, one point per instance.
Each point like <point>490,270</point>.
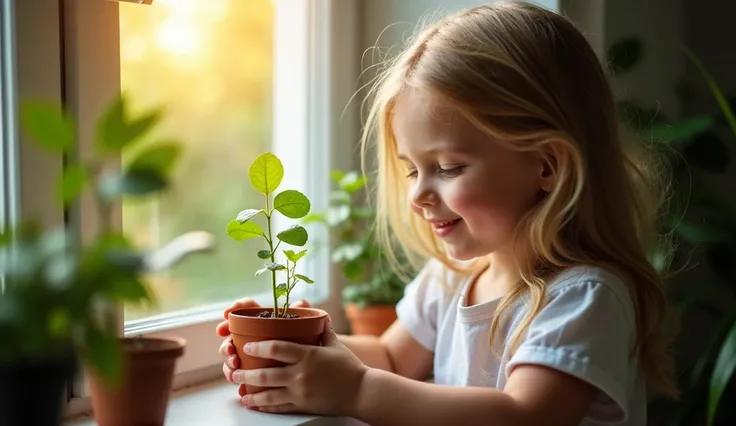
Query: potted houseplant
<point>373,289</point>
<point>280,321</point>
<point>56,307</point>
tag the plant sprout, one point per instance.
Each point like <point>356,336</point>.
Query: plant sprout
<point>266,174</point>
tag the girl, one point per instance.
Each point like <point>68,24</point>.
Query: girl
<point>500,159</point>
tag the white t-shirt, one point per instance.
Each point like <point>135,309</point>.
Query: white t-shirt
<point>587,329</point>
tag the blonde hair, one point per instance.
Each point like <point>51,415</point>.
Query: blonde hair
<point>528,78</point>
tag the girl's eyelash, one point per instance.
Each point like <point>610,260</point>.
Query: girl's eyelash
<point>412,174</point>
<point>451,172</point>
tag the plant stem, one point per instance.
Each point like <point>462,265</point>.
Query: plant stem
<point>273,260</point>
<point>288,280</point>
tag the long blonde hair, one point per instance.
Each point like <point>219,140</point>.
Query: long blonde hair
<point>527,77</point>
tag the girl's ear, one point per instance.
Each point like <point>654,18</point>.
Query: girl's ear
<point>550,155</point>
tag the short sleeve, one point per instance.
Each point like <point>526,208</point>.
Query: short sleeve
<point>586,330</point>
<point>418,309</point>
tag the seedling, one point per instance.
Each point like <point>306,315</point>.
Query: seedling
<point>266,174</point>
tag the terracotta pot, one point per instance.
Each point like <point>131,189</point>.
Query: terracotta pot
<point>143,396</point>
<point>33,391</point>
<point>245,327</point>
<point>371,320</point>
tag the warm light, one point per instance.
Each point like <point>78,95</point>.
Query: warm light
<point>177,35</point>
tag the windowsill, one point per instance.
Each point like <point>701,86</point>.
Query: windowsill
<point>218,403</point>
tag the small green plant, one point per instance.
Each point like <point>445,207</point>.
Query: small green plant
<point>266,173</point>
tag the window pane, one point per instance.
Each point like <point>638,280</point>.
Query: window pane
<point>209,64</point>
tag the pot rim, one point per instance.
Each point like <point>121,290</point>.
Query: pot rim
<point>322,314</point>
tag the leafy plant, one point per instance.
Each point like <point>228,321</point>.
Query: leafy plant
<point>57,291</point>
<point>699,217</point>
<point>266,173</point>
<point>370,279</point>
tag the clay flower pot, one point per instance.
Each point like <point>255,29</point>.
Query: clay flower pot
<point>372,320</point>
<point>246,326</point>
<point>143,396</point>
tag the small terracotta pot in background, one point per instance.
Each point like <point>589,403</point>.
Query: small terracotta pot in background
<point>143,396</point>
<point>371,320</point>
<point>246,326</point>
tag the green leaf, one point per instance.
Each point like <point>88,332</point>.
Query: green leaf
<point>240,231</point>
<point>59,322</point>
<point>722,373</point>
<point>281,290</point>
<point>116,131</point>
<point>248,214</point>
<point>294,257</point>
<point>352,182</point>
<point>347,251</point>
<point>337,175</point>
<point>160,158</point>
<point>681,131</point>
<point>295,235</point>
<point>260,271</point>
<point>133,182</point>
<point>292,204</point>
<point>104,355</point>
<point>353,271</point>
<point>264,254</point>
<point>47,125</point>
<point>72,183</point>
<point>275,267</point>
<point>313,217</point>
<point>720,98</point>
<point>266,173</point>
<point>126,288</point>
<point>339,197</point>
<point>624,54</point>
<point>702,232</point>
<point>304,278</point>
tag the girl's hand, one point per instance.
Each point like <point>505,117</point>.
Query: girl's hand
<point>227,350</point>
<point>317,380</point>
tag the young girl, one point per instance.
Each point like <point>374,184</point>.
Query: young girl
<point>502,166</point>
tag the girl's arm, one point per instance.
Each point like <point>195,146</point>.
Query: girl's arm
<point>533,396</point>
<point>395,351</point>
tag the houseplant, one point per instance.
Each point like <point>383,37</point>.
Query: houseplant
<point>78,285</point>
<point>373,289</point>
<point>699,149</point>
<point>278,322</point>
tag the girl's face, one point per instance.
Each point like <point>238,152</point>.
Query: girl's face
<point>469,188</point>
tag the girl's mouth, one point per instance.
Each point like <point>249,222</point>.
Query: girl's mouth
<point>443,229</point>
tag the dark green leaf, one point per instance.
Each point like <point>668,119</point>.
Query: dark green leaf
<point>722,373</point>
<point>352,182</point>
<point>72,183</point>
<point>347,251</point>
<point>292,204</point>
<point>708,152</point>
<point>131,183</point>
<point>159,158</point>
<point>295,257</point>
<point>304,278</point>
<point>275,267</point>
<point>59,322</point>
<point>295,235</point>
<point>624,54</point>
<point>266,173</point>
<point>247,214</point>
<point>115,130</point>
<point>243,231</point>
<point>353,271</point>
<point>46,124</point>
<point>680,131</point>
<point>281,290</point>
<point>126,288</point>
<point>104,355</point>
<point>264,254</point>
<point>701,232</point>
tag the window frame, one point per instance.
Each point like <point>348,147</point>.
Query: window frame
<point>326,120</point>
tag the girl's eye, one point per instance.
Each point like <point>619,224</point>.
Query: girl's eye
<point>412,174</point>
<point>450,172</point>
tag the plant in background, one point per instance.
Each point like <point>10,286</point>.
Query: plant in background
<point>59,294</point>
<point>371,281</point>
<point>266,174</point>
<point>699,217</point>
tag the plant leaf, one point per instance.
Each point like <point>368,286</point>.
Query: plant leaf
<point>352,182</point>
<point>116,131</point>
<point>72,183</point>
<point>294,257</point>
<point>160,158</point>
<point>720,98</point>
<point>680,131</point>
<point>266,173</point>
<point>275,267</point>
<point>353,271</point>
<point>240,231</point>
<point>264,254</point>
<point>126,288</point>
<point>722,373</point>
<point>295,235</point>
<point>281,290</point>
<point>292,204</point>
<point>337,215</point>
<point>133,182</point>
<point>313,217</point>
<point>47,125</point>
<point>103,353</point>
<point>336,175</point>
<point>347,252</point>
<point>248,214</point>
<point>260,271</point>
<point>304,278</point>
<point>699,233</point>
<point>624,54</point>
